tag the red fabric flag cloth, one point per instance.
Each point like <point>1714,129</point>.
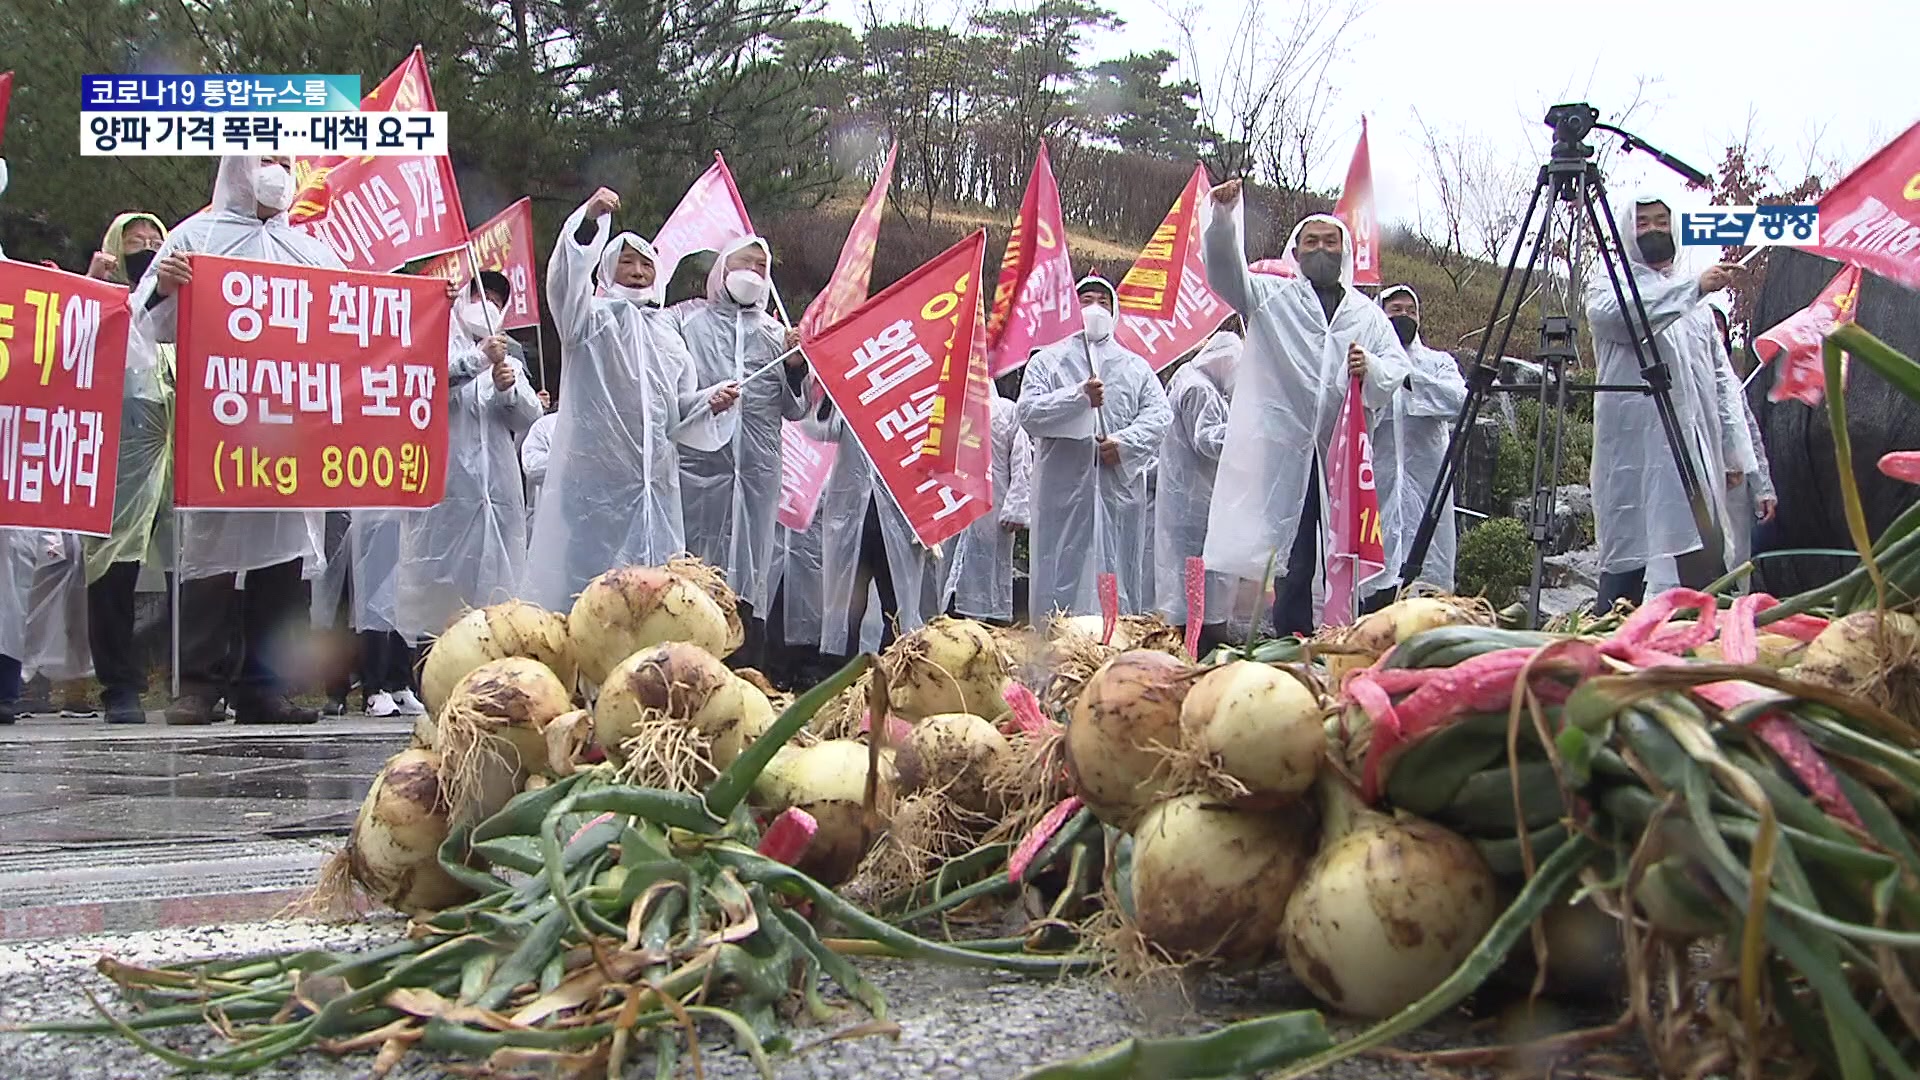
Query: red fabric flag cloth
<point>1152,285</point>
<point>1871,218</point>
<point>1034,303</point>
<point>6,95</point>
<point>853,273</point>
<point>1356,552</point>
<point>710,215</point>
<point>1194,311</point>
<point>1795,341</point>
<point>960,427</point>
<point>805,465</point>
<point>1355,210</point>
<point>504,243</point>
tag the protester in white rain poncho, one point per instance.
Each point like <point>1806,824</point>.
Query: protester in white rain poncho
<point>1096,415</point>
<point>470,550</point>
<point>612,491</point>
<point>57,614</point>
<point>535,451</point>
<point>16,579</point>
<point>1410,442</point>
<point>247,220</point>
<point>1198,397</point>
<point>1640,509</point>
<point>730,497</point>
<point>979,581</point>
<point>1306,336</point>
<point>386,660</point>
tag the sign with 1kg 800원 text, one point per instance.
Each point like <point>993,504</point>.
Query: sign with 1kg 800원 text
<point>309,389</point>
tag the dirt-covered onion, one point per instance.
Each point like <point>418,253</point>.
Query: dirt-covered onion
<point>394,847</point>
<point>1388,909</point>
<point>632,608</point>
<point>661,710</point>
<point>1211,882</point>
<point>954,753</point>
<point>829,781</point>
<point>1257,725</point>
<point>1125,722</point>
<point>947,666</point>
<point>515,628</point>
<point>1090,627</point>
<point>756,716</point>
<point>1373,635</point>
<point>1869,654</point>
<point>492,734</point>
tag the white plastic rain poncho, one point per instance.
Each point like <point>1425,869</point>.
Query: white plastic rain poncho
<point>373,545</point>
<point>731,496</point>
<point>213,541</point>
<point>1189,457</point>
<point>1289,388</point>
<point>612,491</point>
<point>535,450</point>
<point>470,550</point>
<point>19,553</point>
<point>1409,445</point>
<point>979,581</point>
<point>1088,518</point>
<point>1641,512</point>
<point>143,483</point>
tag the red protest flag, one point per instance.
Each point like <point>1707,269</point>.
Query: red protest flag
<point>1033,303</point>
<point>710,215</point>
<point>1795,341</point>
<point>1152,285</point>
<point>63,348</point>
<point>1872,219</point>
<point>1196,310</point>
<point>881,364</point>
<point>960,428</point>
<point>358,421</point>
<point>853,273</point>
<point>503,243</point>
<point>1355,211</point>
<point>6,95</point>
<point>1356,551</point>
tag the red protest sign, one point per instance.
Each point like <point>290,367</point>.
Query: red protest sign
<point>1034,303</point>
<point>504,243</point>
<point>960,429</point>
<point>1355,210</point>
<point>710,215</point>
<point>1356,551</point>
<point>1152,285</point>
<point>63,344</point>
<point>882,363</point>
<point>381,213</point>
<point>805,465</point>
<point>1869,218</point>
<point>853,273</point>
<point>308,389</point>
<point>1197,312</point>
<point>1796,341</point>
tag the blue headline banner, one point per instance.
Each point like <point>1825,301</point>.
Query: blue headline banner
<point>219,93</point>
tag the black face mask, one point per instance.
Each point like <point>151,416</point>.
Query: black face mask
<point>136,263</point>
<point>1321,267</point>
<point>1656,247</point>
<point>1405,326</point>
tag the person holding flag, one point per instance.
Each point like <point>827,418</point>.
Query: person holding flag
<point>1410,444</point>
<point>1198,395</point>
<point>1096,414</point>
<point>732,495</point>
<point>612,491</point>
<point>1307,337</point>
<point>979,580</point>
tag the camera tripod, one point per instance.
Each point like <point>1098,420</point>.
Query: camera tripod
<point>1570,176</point>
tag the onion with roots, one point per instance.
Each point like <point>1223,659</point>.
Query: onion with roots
<point>713,581</point>
<point>954,753</point>
<point>1090,627</point>
<point>492,735</point>
<point>515,628</point>
<point>1373,635</point>
<point>1126,721</point>
<point>756,716</point>
<point>1388,909</point>
<point>947,666</point>
<point>1255,731</point>
<point>393,851</point>
<point>829,781</point>
<point>1212,882</point>
<point>1873,655</point>
<point>632,608</point>
<point>664,710</point>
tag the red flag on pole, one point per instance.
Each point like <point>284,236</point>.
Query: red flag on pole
<point>960,427</point>
<point>1795,341</point>
<point>847,288</point>
<point>504,243</point>
<point>1355,210</point>
<point>710,215</point>
<point>1356,552</point>
<point>1151,288</point>
<point>1034,303</point>
<point>1871,218</point>
<point>6,94</point>
<point>1196,311</point>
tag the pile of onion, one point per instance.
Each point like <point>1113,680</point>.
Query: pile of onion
<point>1873,655</point>
<point>515,628</point>
<point>1212,882</point>
<point>674,714</point>
<point>1388,909</point>
<point>1126,721</point>
<point>394,847</point>
<point>1255,732</point>
<point>954,753</point>
<point>1371,637</point>
<point>947,666</point>
<point>492,735</point>
<point>828,780</point>
<point>632,608</point>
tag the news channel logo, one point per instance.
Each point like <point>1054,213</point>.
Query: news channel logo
<point>219,93</point>
<point>1751,226</point>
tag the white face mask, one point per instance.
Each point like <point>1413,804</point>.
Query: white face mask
<point>273,187</point>
<point>479,318</point>
<point>746,287</point>
<point>1099,322</point>
<point>631,295</point>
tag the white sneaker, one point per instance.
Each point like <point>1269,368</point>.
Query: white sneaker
<point>382,704</point>
<point>408,704</point>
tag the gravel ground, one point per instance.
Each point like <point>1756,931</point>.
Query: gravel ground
<point>954,1024</point>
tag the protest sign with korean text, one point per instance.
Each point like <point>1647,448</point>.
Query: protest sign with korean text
<point>1152,285</point>
<point>853,271</point>
<point>960,430</point>
<point>302,388</point>
<point>1197,312</point>
<point>882,366</point>
<point>505,244</point>
<point>1034,303</point>
<point>1871,218</point>
<point>1794,344</point>
<point>63,347</point>
<point>1356,551</point>
<point>806,463</point>
<point>1355,211</point>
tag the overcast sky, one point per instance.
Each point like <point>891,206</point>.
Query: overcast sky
<point>1810,77</point>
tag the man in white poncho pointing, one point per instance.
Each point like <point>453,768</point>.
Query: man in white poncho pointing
<point>1306,337</point>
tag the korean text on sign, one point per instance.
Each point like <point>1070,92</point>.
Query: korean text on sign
<point>63,343</point>
<point>301,388</point>
<point>197,133</point>
<point>219,93</point>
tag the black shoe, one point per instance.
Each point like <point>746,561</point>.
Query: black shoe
<point>191,710</point>
<point>273,710</point>
<point>9,712</point>
<point>334,707</point>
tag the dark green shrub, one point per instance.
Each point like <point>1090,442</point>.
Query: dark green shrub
<point>1496,561</point>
